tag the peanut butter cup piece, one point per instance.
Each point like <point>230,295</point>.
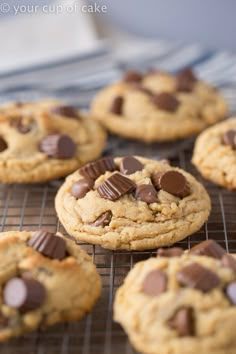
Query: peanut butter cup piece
<point>130,165</point>
<point>185,80</point>
<point>132,76</point>
<point>117,105</point>
<point>165,101</point>
<point>58,146</point>
<point>172,182</point>
<point>48,244</point>
<point>66,111</point>
<point>208,248</point>
<point>170,252</point>
<point>229,138</point>
<point>82,187</point>
<point>155,283</point>
<point>183,322</point>
<point>97,168</point>
<point>116,186</point>
<point>103,220</point>
<point>146,193</point>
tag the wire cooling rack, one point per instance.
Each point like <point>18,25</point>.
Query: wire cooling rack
<point>29,207</point>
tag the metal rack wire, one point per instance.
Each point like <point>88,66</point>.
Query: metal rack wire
<point>32,206</point>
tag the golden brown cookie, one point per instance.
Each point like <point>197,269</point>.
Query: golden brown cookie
<point>181,303</point>
<point>158,106</point>
<point>34,268</point>
<point>131,203</point>
<point>44,140</point>
<point>215,153</point>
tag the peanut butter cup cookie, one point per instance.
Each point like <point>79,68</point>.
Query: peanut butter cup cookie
<point>131,203</point>
<point>34,268</point>
<point>181,302</point>
<point>158,106</point>
<point>44,140</point>
<point>215,153</point>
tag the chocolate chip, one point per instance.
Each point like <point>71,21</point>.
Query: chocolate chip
<point>231,292</point>
<point>185,80</point>
<point>66,111</point>
<point>58,146</point>
<point>229,138</point>
<point>208,248</point>
<point>198,277</point>
<point>82,187</point>
<point>155,283</point>
<point>3,144</point>
<point>229,262</point>
<point>130,165</point>
<point>146,193</point>
<point>132,76</point>
<point>115,187</point>
<point>165,101</point>
<point>170,252</point>
<point>23,124</point>
<point>117,105</point>
<point>48,244</point>
<point>97,168</point>
<point>103,220</point>
<point>24,294</point>
<point>172,182</point>
<point>183,322</point>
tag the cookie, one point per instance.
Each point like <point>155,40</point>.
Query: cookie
<point>35,266</point>
<point>158,106</point>
<point>181,302</point>
<point>215,153</point>
<point>131,203</point>
<point>43,140</point>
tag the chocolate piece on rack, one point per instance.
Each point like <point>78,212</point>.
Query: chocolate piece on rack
<point>228,261</point>
<point>146,193</point>
<point>115,187</point>
<point>97,168</point>
<point>183,322</point>
<point>82,187</point>
<point>185,80</point>
<point>132,76</point>
<point>229,138</point>
<point>198,277</point>
<point>66,111</point>
<point>209,248</point>
<point>117,105</point>
<point>166,101</point>
<point>130,165</point>
<point>170,252</point>
<point>58,146</point>
<point>155,283</point>
<point>172,182</point>
<point>231,292</point>
<point>103,220</point>
<point>24,294</point>
<point>48,244</point>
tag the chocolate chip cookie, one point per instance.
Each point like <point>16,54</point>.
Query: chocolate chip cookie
<point>35,266</point>
<point>44,140</point>
<point>158,106</point>
<point>181,302</point>
<point>215,153</point>
<point>131,203</point>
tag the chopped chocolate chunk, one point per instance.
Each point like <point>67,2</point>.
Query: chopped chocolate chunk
<point>97,168</point>
<point>183,322</point>
<point>229,138</point>
<point>3,144</point>
<point>48,244</point>
<point>115,187</point>
<point>146,193</point>
<point>117,105</point>
<point>231,292</point>
<point>172,182</point>
<point>166,101</point>
<point>185,80</point>
<point>66,111</point>
<point>170,252</point>
<point>132,76</point>
<point>103,220</point>
<point>82,187</point>
<point>58,146</point>
<point>209,248</point>
<point>155,283</point>
<point>228,261</point>
<point>198,277</point>
<point>24,294</point>
<point>130,165</point>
